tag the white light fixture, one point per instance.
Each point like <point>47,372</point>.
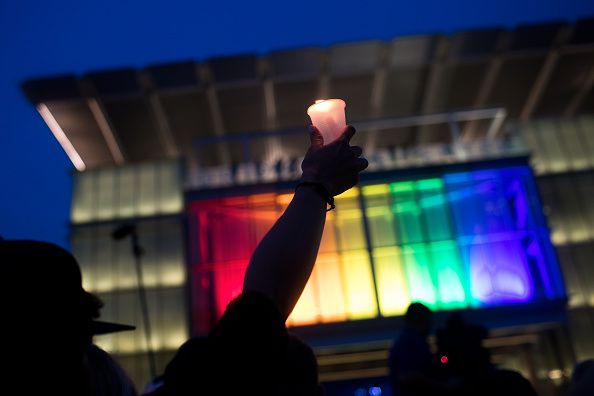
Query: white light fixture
<point>61,137</point>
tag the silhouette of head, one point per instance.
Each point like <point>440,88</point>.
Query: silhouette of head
<point>461,342</point>
<point>419,317</point>
<point>44,301</point>
<point>190,371</point>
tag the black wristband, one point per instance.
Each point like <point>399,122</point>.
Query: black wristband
<point>320,189</point>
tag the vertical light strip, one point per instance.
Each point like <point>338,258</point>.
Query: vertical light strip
<point>418,273</point>
<point>448,275</point>
<point>330,288</point>
<point>61,137</point>
<point>387,260</point>
<point>358,284</point>
<point>391,281</point>
<point>354,259</point>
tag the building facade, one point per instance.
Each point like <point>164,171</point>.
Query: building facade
<point>201,157</point>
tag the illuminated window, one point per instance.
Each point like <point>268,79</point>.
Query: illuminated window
<point>452,241</point>
<point>126,192</point>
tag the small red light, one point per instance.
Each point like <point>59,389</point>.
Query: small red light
<point>443,359</point>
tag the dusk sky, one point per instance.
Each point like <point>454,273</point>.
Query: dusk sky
<point>43,38</point>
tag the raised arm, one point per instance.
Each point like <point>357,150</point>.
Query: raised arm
<point>283,261</point>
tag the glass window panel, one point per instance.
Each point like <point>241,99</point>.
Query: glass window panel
<point>124,270</point>
<point>498,271</point>
<point>418,274</point>
<point>553,155</point>
<point>174,318</point>
<point>574,215</point>
<point>583,254</point>
<point>435,210</point>
<point>477,204</point>
<point>585,125</point>
<point>105,194</point>
<point>104,280</point>
<point>529,134</point>
<point>391,281</point>
<point>585,184</point>
<point>84,250</point>
<point>202,300</point>
<point>403,191</point>
<point>465,209</point>
<point>407,212</point>
<point>228,230</point>
<point>83,202</point>
<point>524,203</point>
<point>358,284</point>
<point>580,320</point>
<point>575,147</point>
<point>574,279</point>
<point>552,210</point>
<point>147,190</point>
<point>128,311</point>
<point>149,241</point>
<point>349,221</point>
<point>228,283</point>
<point>332,303</point>
<point>155,301</point>
<point>543,265</point>
<point>379,215</point>
<point>490,187</point>
<point>447,271</point>
<point>126,180</point>
<point>170,188</point>
<point>172,271</point>
<point>167,318</point>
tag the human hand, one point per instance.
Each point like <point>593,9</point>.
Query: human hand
<point>336,166</point>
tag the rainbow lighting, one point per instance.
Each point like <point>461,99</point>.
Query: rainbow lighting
<point>452,241</point>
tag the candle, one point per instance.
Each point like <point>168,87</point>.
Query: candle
<point>328,116</point>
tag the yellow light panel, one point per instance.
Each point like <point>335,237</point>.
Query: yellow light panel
<point>391,281</point>
<point>358,283</point>
<point>306,310</point>
<point>331,293</point>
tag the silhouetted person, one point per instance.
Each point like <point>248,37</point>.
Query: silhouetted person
<point>413,367</point>
<point>582,379</point>
<point>468,363</point>
<point>299,374</point>
<point>249,351</point>
<point>48,322</point>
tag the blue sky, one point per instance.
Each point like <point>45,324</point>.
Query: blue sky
<point>41,38</point>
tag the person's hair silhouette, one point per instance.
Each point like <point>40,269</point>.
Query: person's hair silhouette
<point>420,317</point>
